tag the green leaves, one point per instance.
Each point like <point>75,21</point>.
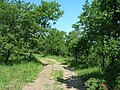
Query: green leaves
<point>94,83</point>
<point>21,25</point>
<point>99,44</point>
<point>48,13</point>
<point>53,42</point>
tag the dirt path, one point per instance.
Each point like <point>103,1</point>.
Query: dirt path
<point>70,80</point>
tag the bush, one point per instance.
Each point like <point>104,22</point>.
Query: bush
<point>95,84</point>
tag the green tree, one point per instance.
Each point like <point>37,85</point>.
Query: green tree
<point>99,23</point>
<point>54,42</point>
<point>48,13</point>
<point>8,29</point>
<point>23,26</point>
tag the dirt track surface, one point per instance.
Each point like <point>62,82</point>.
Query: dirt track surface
<point>70,80</point>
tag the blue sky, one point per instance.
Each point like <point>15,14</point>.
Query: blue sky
<point>72,9</point>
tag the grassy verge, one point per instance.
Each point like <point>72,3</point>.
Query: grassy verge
<point>92,78</point>
<point>56,74</point>
<point>87,73</point>
<point>14,77</point>
<point>59,58</point>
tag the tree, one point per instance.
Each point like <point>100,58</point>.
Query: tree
<point>8,29</point>
<point>54,42</point>
<point>99,23</point>
<point>47,13</point>
<point>22,25</point>
<point>99,43</point>
<point>72,41</point>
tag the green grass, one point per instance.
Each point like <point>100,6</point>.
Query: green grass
<point>38,56</point>
<point>87,73</point>
<point>14,77</point>
<point>56,74</point>
<point>110,76</point>
<point>54,86</point>
<point>58,58</point>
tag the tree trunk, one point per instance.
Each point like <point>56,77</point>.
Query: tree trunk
<point>103,52</point>
<point>103,59</point>
<point>76,56</point>
<point>112,59</point>
<point>7,56</point>
<point>30,56</point>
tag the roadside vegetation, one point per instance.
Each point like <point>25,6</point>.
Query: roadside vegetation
<point>14,77</point>
<point>56,74</point>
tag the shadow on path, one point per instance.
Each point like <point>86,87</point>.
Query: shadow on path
<point>71,80</point>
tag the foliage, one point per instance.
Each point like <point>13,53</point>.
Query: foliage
<point>22,25</point>
<point>94,84</point>
<point>99,41</point>
<point>56,74</point>
<point>54,42</point>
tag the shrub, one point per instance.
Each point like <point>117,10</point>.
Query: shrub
<point>95,84</point>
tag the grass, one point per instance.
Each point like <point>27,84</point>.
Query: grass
<point>14,77</point>
<point>87,73</point>
<point>58,58</point>
<point>56,74</point>
<point>110,75</point>
<point>82,70</point>
<point>54,86</point>
<point>61,59</point>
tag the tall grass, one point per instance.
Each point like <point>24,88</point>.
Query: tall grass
<point>14,77</point>
<point>88,70</point>
<point>56,74</point>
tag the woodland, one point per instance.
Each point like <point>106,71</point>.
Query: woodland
<point>94,44</point>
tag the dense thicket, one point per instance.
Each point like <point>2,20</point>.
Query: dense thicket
<point>24,27</point>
